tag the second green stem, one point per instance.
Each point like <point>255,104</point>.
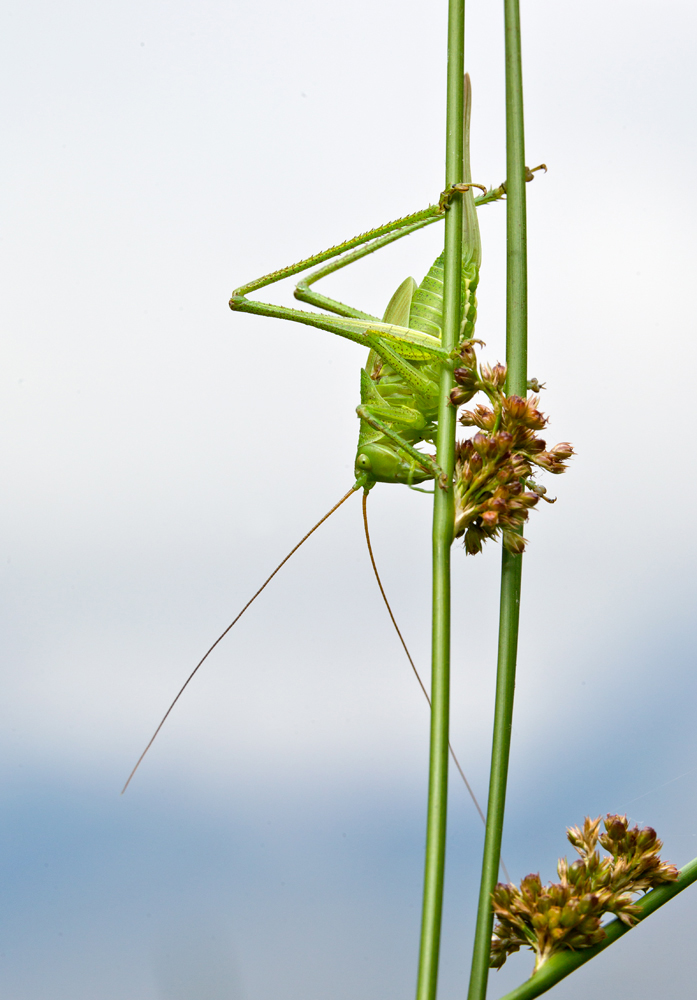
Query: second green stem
<point>443,517</point>
<point>511,568</point>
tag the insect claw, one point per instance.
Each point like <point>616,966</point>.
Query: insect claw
<point>529,175</point>
<point>447,196</point>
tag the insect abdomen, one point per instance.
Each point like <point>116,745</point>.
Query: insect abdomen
<point>426,314</point>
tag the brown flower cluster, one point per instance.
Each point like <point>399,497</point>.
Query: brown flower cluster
<point>494,489</point>
<point>567,914</point>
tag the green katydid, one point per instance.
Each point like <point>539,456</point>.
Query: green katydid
<point>399,382</point>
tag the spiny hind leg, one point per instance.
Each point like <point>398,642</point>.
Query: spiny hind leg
<point>404,227</point>
<point>400,227</point>
<point>304,293</point>
<point>338,256</point>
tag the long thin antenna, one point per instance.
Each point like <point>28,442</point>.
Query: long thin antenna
<point>404,645</point>
<point>413,665</point>
<point>233,622</point>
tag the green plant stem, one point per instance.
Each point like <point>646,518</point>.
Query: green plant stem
<point>511,567</point>
<point>443,518</point>
<point>505,688</point>
<point>516,225</point>
<point>560,965</point>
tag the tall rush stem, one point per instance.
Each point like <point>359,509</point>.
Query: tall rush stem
<point>516,359</point>
<point>443,517</point>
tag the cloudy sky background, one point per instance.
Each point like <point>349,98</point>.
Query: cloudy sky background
<point>161,455</point>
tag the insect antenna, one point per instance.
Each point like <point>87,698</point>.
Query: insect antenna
<point>413,667</point>
<point>234,622</point>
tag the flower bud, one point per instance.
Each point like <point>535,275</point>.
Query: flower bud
<point>588,903</point>
<point>501,896</point>
<point>466,377</point>
<point>535,446</point>
<point>646,839</point>
<point>468,353</point>
<point>459,396</point>
<point>480,443</point>
<point>532,884</point>
<point>616,826</point>
<point>667,873</point>
<point>514,542</point>
<point>557,894</point>
<point>503,441</point>
<point>576,871</point>
<point>574,836</point>
<point>498,375</point>
<point>520,466</point>
<point>514,407</point>
<point>562,451</point>
<point>474,539</point>
<point>484,417</point>
<point>569,915</point>
<point>533,418</point>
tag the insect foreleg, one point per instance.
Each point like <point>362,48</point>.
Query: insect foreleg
<point>425,461</point>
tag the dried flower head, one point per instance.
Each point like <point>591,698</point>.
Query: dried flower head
<point>567,914</point>
<point>494,489</point>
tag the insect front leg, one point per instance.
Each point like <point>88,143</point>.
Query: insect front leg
<point>382,462</point>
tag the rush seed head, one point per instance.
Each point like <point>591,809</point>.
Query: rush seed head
<point>493,467</point>
<point>568,913</point>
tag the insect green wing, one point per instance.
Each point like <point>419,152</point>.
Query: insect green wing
<point>399,307</point>
<point>399,391</point>
<point>426,313</point>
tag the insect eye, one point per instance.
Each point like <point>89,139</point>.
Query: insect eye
<point>363,462</point>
